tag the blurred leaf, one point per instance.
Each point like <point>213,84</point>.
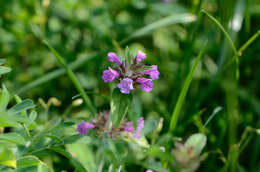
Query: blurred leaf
<point>23,106</point>
<point>33,115</point>
<point>4,98</point>
<point>73,160</point>
<point>2,61</point>
<point>7,157</point>
<point>28,161</point>
<point>119,106</point>
<point>4,70</point>
<point>13,138</point>
<point>197,142</point>
<point>173,19</point>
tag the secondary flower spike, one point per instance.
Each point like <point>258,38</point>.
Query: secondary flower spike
<point>83,127</point>
<point>131,74</point>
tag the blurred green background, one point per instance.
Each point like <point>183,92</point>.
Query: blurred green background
<point>171,34</point>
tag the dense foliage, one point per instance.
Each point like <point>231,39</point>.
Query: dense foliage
<point>191,104</point>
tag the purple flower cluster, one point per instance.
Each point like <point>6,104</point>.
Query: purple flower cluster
<point>83,127</point>
<point>130,128</point>
<point>100,126</point>
<point>129,76</point>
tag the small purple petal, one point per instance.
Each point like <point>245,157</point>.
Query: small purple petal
<point>140,56</point>
<point>112,57</point>
<point>109,75</point>
<point>126,85</point>
<point>139,128</point>
<point>154,73</point>
<point>146,84</point>
<point>83,127</point>
<point>129,127</point>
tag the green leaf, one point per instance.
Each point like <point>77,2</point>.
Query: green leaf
<point>4,70</point>
<point>172,19</point>
<point>13,138</point>
<point>181,98</point>
<point>6,120</point>
<point>2,61</point>
<point>33,115</point>
<point>197,142</point>
<point>28,161</point>
<point>7,157</point>
<point>66,154</point>
<point>23,106</point>
<point>119,106</point>
<point>4,98</point>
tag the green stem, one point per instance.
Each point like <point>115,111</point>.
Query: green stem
<point>73,78</point>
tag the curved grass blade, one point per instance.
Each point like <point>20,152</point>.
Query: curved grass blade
<point>73,78</point>
<point>215,111</point>
<point>55,74</point>
<point>172,19</point>
<point>228,38</point>
<point>177,109</point>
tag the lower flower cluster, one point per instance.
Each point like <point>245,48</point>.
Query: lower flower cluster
<point>100,126</point>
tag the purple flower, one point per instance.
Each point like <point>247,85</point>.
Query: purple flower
<point>109,75</point>
<point>140,56</point>
<point>149,170</point>
<point>154,73</point>
<point>126,85</point>
<point>84,126</point>
<point>129,127</point>
<point>112,57</point>
<point>139,128</point>
<point>146,84</point>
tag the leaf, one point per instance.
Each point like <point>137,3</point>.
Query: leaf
<point>172,19</point>
<point>4,98</point>
<point>181,98</point>
<point>23,106</point>
<point>33,115</point>
<point>7,120</point>
<point>2,61</point>
<point>13,138</point>
<point>28,161</point>
<point>66,154</point>
<point>119,106</point>
<point>4,70</point>
<point>7,157</point>
<point>197,142</point>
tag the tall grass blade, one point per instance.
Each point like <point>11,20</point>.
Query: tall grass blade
<point>228,38</point>
<point>177,109</point>
<point>73,78</point>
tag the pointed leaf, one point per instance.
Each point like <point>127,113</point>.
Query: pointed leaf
<point>23,106</point>
<point>119,106</point>
<point>4,98</point>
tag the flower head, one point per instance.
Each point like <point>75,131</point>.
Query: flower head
<point>112,57</point>
<point>129,127</point>
<point>126,85</point>
<point>146,84</point>
<point>139,128</point>
<point>83,127</point>
<point>128,73</point>
<point>154,73</point>
<point>109,75</point>
<point>140,56</point>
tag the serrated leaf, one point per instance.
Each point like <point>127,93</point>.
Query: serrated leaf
<point>13,138</point>
<point>197,142</point>
<point>4,70</point>
<point>4,98</point>
<point>23,106</point>
<point>119,106</point>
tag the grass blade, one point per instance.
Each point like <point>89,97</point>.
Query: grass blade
<point>228,38</point>
<point>177,109</point>
<point>73,78</point>
<point>172,19</point>
<point>215,111</point>
<point>54,74</point>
